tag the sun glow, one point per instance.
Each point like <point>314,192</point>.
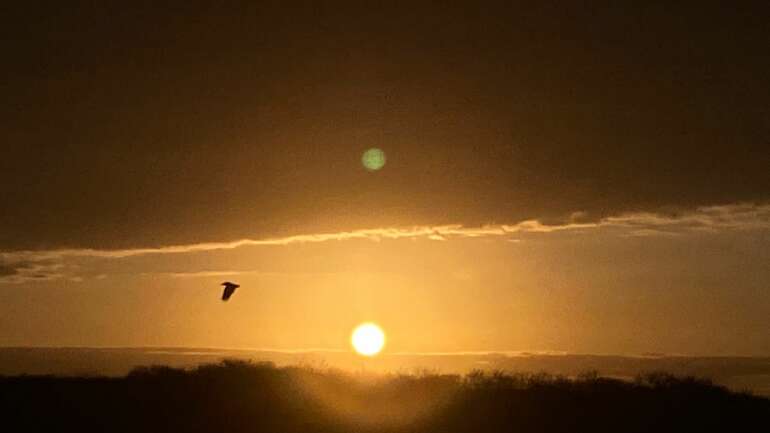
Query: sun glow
<point>368,339</point>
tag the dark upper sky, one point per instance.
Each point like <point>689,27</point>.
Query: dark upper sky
<point>151,125</point>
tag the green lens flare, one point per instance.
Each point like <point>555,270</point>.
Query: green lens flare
<point>373,159</point>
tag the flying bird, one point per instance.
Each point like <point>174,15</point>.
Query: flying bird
<point>229,290</point>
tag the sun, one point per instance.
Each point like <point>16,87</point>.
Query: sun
<point>368,339</point>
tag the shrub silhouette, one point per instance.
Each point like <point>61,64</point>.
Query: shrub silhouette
<point>237,396</point>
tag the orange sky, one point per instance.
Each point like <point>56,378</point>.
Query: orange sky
<point>559,176</point>
<point>693,284</point>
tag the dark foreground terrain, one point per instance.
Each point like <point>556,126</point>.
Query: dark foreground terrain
<point>236,396</point>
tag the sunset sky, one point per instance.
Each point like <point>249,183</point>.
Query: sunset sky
<point>557,177</point>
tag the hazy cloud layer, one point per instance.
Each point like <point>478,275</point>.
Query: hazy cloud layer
<point>24,266</point>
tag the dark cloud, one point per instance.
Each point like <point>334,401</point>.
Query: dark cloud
<point>7,269</point>
<point>15,270</point>
<point>150,126</point>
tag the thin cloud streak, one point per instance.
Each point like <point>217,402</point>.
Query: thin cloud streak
<point>502,353</point>
<point>203,274</point>
<point>708,219</point>
<point>23,266</point>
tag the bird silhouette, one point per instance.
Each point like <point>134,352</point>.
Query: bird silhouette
<point>229,290</point>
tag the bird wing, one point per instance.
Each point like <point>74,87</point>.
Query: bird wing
<point>229,290</point>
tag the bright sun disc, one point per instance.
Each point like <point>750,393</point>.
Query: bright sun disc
<point>368,339</point>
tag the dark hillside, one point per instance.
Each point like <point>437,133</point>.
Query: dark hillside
<point>243,397</point>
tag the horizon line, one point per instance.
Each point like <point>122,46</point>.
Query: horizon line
<point>506,353</point>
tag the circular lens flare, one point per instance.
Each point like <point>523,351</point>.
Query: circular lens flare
<point>368,339</point>
<point>373,159</point>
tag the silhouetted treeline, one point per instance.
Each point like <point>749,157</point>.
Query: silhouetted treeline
<point>236,396</point>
